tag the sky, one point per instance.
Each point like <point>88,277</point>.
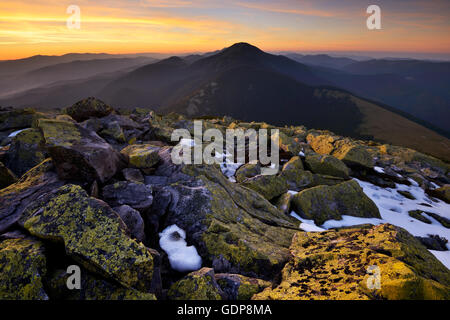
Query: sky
<point>30,27</point>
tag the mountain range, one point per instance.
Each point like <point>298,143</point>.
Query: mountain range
<point>403,102</point>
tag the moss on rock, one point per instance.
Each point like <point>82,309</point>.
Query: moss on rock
<point>327,165</point>
<point>269,186</point>
<point>247,170</point>
<point>87,108</point>
<point>93,234</point>
<point>26,151</point>
<point>239,287</point>
<point>141,156</point>
<point>322,203</point>
<point>197,285</point>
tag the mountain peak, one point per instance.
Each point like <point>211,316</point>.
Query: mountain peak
<point>242,48</point>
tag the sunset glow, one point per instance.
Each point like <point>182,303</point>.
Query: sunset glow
<point>132,26</point>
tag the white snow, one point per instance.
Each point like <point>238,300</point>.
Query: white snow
<point>182,258</point>
<point>15,133</point>
<point>187,142</point>
<point>442,256</point>
<point>394,210</point>
<point>307,225</point>
<point>227,166</point>
<point>378,169</point>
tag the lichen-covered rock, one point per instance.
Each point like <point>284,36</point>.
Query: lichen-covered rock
<point>141,156</point>
<point>417,214</point>
<point>113,131</point>
<point>247,170</point>
<point>322,203</point>
<point>321,179</point>
<point>7,177</point>
<point>92,234</point>
<point>197,285</point>
<point>133,220</point>
<point>327,165</point>
<point>87,108</point>
<point>239,287</point>
<point>296,177</point>
<point>234,229</point>
<point>269,186</point>
<point>26,151</point>
<point>346,264</point>
<point>434,242</point>
<point>33,184</point>
<point>92,287</point>
<point>350,152</point>
<point>442,193</point>
<point>17,118</point>
<point>22,269</point>
<point>136,195</point>
<point>78,153</point>
<point>283,203</point>
<point>286,143</point>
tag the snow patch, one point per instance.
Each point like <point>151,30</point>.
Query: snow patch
<point>379,169</point>
<point>182,258</point>
<point>15,133</point>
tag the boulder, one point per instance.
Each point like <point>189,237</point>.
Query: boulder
<point>133,220</point>
<point>322,203</point>
<point>113,131</point>
<point>434,242</point>
<point>7,177</point>
<point>417,214</point>
<point>247,170</point>
<point>442,193</point>
<point>327,165</point>
<point>133,175</point>
<point>283,203</point>
<point>22,270</point>
<point>239,287</point>
<point>141,156</point>
<point>350,152</point>
<point>286,143</point>
<point>296,177</point>
<point>26,151</point>
<point>78,153</point>
<point>88,108</point>
<point>92,234</point>
<point>269,186</point>
<point>136,195</point>
<point>17,118</point>
<point>197,285</point>
<point>16,197</point>
<point>376,262</point>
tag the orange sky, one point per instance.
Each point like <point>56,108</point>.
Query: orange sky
<point>129,26</point>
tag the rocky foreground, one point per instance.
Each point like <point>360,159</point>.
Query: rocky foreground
<point>95,188</point>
